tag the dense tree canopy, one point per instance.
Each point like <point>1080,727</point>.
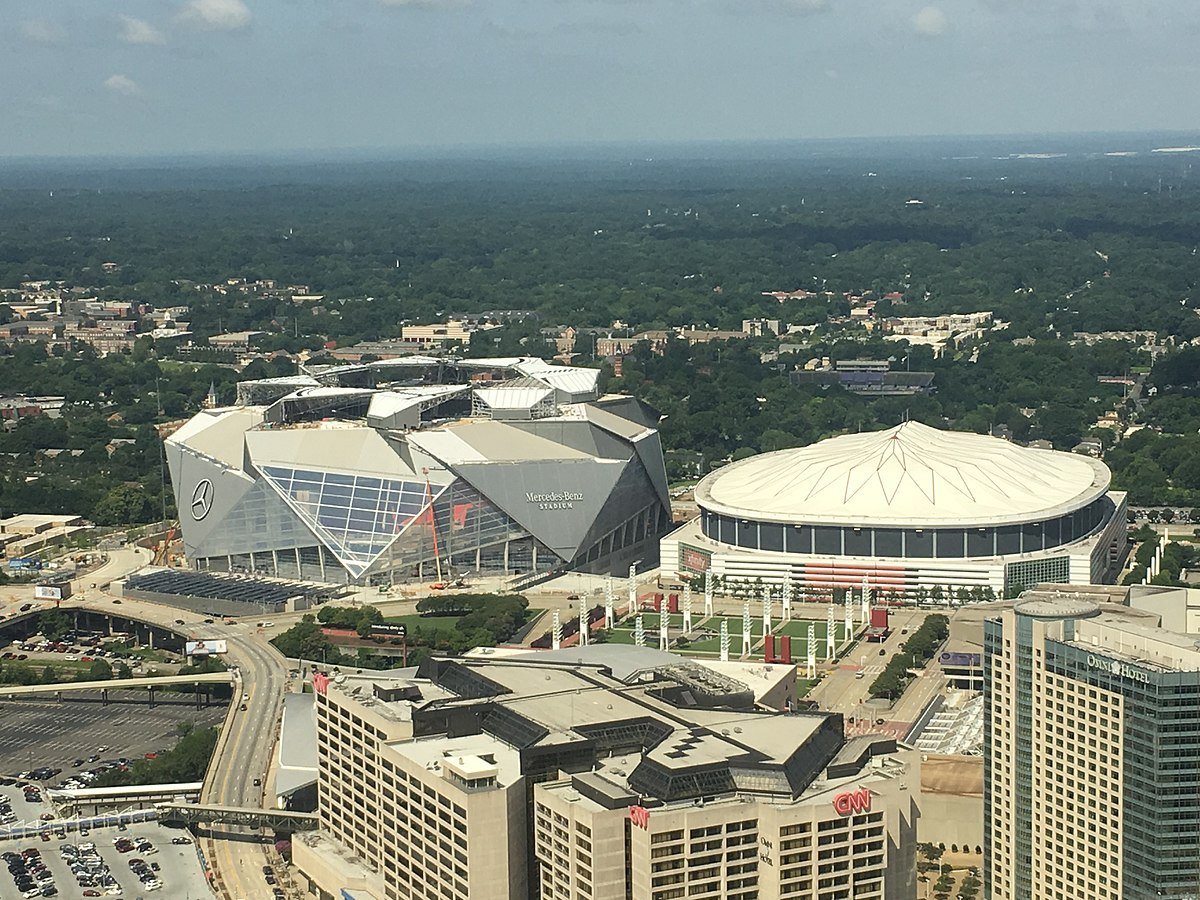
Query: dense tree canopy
<point>1055,249</point>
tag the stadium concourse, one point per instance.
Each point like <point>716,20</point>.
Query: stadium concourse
<point>905,511</point>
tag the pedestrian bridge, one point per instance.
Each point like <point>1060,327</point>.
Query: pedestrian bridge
<point>246,817</point>
<point>136,796</point>
<point>148,682</point>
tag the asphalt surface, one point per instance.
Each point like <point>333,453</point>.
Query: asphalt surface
<point>245,753</point>
<point>181,873</point>
<point>844,692</point>
<point>40,732</point>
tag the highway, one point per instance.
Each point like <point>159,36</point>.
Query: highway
<point>243,754</point>
<point>245,747</point>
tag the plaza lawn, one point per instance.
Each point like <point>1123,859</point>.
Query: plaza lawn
<point>707,642</point>
<point>428,625</point>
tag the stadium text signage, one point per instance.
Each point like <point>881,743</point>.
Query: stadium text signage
<point>554,499</point>
<point>390,629</point>
<point>1120,669</point>
<point>853,802</point>
<point>640,816</point>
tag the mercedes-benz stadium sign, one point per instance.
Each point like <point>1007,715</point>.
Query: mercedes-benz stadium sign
<point>202,498</point>
<point>554,499</point>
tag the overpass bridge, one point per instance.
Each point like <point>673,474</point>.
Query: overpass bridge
<point>93,617</point>
<point>81,801</point>
<point>275,819</point>
<point>149,683</point>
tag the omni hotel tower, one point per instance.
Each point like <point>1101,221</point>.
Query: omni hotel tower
<point>1092,753</point>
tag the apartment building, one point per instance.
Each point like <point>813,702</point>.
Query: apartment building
<point>1092,780</point>
<point>603,774</point>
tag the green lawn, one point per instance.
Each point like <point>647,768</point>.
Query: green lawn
<point>710,643</point>
<point>430,625</point>
<point>427,624</point>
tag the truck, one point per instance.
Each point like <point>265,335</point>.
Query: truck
<point>25,564</point>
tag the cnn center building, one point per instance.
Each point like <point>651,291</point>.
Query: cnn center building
<point>421,468</point>
<point>906,510</point>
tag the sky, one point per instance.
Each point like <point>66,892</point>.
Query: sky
<point>153,77</point>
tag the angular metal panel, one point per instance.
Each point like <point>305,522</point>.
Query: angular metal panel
<point>557,501</point>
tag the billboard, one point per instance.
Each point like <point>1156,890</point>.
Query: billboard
<point>47,592</point>
<point>204,648</point>
<point>693,559</point>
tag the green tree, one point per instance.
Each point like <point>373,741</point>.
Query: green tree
<point>99,670</point>
<point>54,623</point>
<point>124,505</point>
<point>304,640</point>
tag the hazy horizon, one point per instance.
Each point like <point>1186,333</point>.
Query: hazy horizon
<point>218,77</point>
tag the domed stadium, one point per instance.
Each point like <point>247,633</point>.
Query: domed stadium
<point>906,509</point>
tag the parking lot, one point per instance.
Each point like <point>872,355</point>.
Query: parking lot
<point>179,876</point>
<point>179,872</point>
<point>41,732</point>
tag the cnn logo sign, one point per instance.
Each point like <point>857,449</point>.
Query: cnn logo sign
<point>852,802</point>
<point>640,816</point>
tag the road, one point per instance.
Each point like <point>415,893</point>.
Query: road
<point>844,692</point>
<point>244,750</point>
<point>244,754</point>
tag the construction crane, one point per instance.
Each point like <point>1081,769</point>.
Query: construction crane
<point>437,555</point>
<point>162,553</point>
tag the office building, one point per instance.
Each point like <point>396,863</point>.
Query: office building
<point>1092,767</point>
<point>605,773</point>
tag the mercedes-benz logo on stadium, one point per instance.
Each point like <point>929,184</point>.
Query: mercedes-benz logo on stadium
<point>202,498</point>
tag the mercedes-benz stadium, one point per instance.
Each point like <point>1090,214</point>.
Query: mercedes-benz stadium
<point>421,468</point>
<point>909,509</point>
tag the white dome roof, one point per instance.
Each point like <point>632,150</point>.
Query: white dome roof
<point>909,476</point>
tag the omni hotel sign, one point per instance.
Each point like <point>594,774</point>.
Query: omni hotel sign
<point>1120,669</point>
<point>554,499</point>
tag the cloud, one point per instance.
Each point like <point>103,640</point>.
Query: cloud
<point>425,4</point>
<point>139,31</point>
<point>217,15</point>
<point>795,7</point>
<point>930,21</point>
<point>122,84</point>
<point>43,31</point>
